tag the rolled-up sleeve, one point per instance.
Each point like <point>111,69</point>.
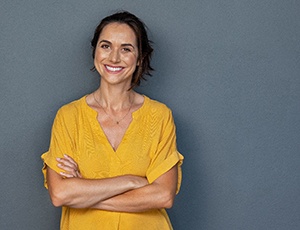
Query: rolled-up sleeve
<point>61,143</point>
<point>166,155</point>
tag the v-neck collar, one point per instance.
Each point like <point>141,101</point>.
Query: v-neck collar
<point>92,114</point>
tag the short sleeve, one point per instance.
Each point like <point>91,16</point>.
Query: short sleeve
<point>166,155</point>
<point>61,143</point>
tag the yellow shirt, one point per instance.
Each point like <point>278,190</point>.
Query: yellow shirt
<point>148,149</point>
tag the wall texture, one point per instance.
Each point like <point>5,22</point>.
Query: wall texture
<point>229,70</point>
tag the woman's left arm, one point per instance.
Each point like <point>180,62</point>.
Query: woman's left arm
<point>160,194</point>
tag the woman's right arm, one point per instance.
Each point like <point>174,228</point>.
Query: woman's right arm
<point>84,193</point>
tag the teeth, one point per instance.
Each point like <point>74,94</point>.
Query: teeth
<point>114,69</point>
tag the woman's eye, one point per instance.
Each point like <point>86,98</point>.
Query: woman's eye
<point>104,46</point>
<point>126,50</point>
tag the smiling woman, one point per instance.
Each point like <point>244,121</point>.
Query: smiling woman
<point>113,161</point>
<point>116,55</point>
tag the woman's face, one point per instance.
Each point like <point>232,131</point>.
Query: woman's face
<point>116,55</point>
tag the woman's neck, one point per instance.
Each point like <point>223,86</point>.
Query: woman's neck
<point>114,98</point>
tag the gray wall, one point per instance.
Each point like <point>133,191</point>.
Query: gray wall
<point>229,70</point>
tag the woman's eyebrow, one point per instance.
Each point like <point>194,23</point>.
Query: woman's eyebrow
<point>128,44</point>
<point>125,44</point>
<point>105,41</point>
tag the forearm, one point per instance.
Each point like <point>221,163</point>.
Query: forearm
<point>138,200</point>
<point>160,194</point>
<point>84,193</point>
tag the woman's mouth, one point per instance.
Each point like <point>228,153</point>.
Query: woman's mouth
<point>113,69</point>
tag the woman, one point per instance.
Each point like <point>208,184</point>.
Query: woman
<point>113,161</point>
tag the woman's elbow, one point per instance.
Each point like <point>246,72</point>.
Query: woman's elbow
<point>168,200</point>
<point>57,198</point>
<point>169,203</point>
<point>56,202</point>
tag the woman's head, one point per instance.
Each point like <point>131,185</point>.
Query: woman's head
<point>144,44</point>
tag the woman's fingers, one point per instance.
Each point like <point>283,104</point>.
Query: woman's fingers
<point>69,166</point>
<point>78,174</point>
<point>67,175</point>
<point>68,161</point>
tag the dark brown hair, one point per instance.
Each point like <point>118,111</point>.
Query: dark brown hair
<point>144,44</point>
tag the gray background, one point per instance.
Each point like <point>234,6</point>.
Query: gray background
<point>229,70</point>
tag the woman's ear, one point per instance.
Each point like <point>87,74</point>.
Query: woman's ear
<point>139,62</point>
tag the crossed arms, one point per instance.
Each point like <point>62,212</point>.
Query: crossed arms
<point>128,193</point>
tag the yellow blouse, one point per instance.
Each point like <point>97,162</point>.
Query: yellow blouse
<point>148,149</point>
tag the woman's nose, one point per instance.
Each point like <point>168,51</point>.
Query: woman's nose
<point>114,56</point>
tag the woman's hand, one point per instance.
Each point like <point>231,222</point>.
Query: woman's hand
<point>69,166</point>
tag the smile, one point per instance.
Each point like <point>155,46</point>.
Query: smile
<point>113,69</point>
